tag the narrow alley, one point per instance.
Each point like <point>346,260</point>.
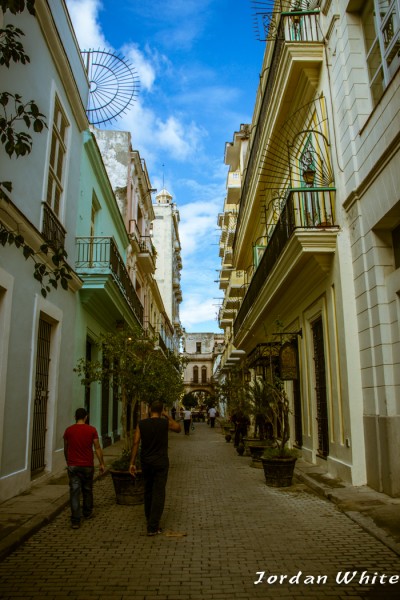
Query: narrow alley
<point>223,527</point>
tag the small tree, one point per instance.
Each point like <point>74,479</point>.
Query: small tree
<point>278,413</point>
<point>233,392</point>
<point>137,370</point>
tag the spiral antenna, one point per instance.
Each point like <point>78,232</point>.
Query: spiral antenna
<point>114,85</point>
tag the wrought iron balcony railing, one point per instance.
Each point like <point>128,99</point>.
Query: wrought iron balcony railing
<point>294,27</point>
<point>52,230</point>
<point>308,208</point>
<point>100,254</point>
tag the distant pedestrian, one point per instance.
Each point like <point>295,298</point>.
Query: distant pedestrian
<point>212,413</point>
<point>153,435</point>
<point>79,441</point>
<point>187,419</point>
<point>173,412</point>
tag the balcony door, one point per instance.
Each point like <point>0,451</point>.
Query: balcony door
<point>41,398</point>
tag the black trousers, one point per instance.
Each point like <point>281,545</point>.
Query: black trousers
<point>186,426</point>
<point>155,481</point>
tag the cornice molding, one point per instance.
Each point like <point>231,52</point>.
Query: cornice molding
<point>60,58</point>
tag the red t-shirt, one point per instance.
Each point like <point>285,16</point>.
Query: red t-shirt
<point>80,440</point>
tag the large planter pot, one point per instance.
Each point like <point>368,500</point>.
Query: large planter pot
<point>278,471</point>
<point>256,453</point>
<point>128,490</point>
<point>246,441</point>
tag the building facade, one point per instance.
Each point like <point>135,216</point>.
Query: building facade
<point>315,242</point>
<point>38,324</point>
<point>131,184</point>
<point>200,351</point>
<point>169,261</point>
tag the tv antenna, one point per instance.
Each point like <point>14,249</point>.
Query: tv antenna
<point>114,85</point>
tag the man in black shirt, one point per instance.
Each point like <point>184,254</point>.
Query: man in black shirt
<point>153,433</point>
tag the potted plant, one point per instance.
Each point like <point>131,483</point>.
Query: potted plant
<point>258,393</point>
<point>139,372</point>
<point>279,461</point>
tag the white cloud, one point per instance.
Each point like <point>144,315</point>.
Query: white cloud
<point>84,16</point>
<point>197,310</point>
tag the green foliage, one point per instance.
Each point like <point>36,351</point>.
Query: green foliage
<point>233,392</point>
<point>275,452</point>
<point>11,48</point>
<point>47,277</point>
<point>136,369</point>
<point>17,6</point>
<point>278,411</point>
<point>189,400</point>
<point>18,142</point>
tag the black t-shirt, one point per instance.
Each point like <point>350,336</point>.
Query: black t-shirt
<point>154,437</point>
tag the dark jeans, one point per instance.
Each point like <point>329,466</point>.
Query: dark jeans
<point>212,421</point>
<point>80,480</point>
<point>155,480</point>
<point>186,426</point>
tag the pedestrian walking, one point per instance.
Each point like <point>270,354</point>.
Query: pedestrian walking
<point>187,419</point>
<point>212,413</point>
<point>152,433</point>
<point>173,412</point>
<point>79,441</point>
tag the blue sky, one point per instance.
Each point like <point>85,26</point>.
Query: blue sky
<point>198,63</point>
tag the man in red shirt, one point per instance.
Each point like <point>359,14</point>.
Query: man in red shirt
<point>79,440</point>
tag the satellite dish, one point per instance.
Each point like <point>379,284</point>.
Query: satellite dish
<point>114,85</point>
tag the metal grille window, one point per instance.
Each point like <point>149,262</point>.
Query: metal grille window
<point>57,159</point>
<point>381,25</point>
<point>41,397</point>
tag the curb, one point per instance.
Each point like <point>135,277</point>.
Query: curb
<point>363,521</point>
<point>12,541</point>
<point>25,531</point>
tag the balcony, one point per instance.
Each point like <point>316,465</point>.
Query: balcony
<point>304,232</point>
<point>236,287</point>
<point>295,59</point>
<point>52,230</point>
<point>143,246</point>
<point>233,186</point>
<point>146,255</point>
<point>107,286</point>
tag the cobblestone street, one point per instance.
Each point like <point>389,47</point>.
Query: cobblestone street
<point>222,526</point>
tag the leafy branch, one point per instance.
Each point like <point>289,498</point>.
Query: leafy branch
<point>18,143</point>
<point>48,277</point>
<point>11,48</point>
<point>17,6</point>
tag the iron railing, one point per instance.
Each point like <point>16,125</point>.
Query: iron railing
<point>52,230</point>
<point>308,208</point>
<point>101,254</point>
<point>306,31</point>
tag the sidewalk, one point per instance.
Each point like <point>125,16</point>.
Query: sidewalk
<point>226,536</point>
<point>23,515</point>
<point>378,514</point>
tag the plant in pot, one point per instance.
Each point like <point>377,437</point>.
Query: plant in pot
<point>279,461</point>
<point>139,372</point>
<point>258,393</point>
<point>233,394</point>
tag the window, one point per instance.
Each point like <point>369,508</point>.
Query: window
<point>57,159</point>
<point>52,230</point>
<point>198,347</point>
<point>195,374</point>
<point>204,374</point>
<point>380,21</point>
